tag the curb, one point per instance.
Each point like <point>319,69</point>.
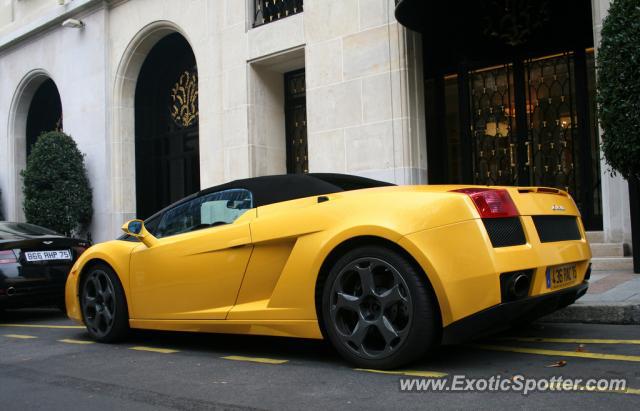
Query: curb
<point>603,313</point>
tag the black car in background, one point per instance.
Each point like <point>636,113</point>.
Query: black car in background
<point>34,264</point>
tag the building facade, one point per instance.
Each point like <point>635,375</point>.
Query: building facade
<point>167,97</point>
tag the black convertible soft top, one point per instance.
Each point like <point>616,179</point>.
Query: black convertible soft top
<point>274,189</point>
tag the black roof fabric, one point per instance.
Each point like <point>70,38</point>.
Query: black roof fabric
<point>274,189</point>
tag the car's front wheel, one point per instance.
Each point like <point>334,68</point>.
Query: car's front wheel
<point>377,310</point>
<point>104,307</point>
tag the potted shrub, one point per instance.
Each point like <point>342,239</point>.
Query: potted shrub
<point>56,189</point>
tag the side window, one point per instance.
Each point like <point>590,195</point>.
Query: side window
<point>209,210</point>
<point>152,224</point>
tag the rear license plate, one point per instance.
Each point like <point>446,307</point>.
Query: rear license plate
<point>561,276</point>
<point>48,255</point>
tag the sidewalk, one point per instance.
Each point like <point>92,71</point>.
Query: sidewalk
<point>613,298</point>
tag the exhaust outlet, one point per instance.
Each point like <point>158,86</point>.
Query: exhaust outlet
<point>519,286</point>
<point>515,285</point>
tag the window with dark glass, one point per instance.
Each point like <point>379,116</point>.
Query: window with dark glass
<point>295,102</point>
<point>267,11</point>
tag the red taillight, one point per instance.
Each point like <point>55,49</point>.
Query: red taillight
<point>7,257</point>
<point>491,202</point>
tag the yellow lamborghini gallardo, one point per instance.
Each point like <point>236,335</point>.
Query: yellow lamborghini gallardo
<point>383,272</point>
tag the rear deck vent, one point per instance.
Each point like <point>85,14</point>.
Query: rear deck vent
<point>505,232</point>
<point>556,228</point>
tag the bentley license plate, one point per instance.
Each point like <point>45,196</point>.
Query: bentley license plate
<point>561,276</point>
<point>48,255</point>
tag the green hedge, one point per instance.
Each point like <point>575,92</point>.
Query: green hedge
<point>56,189</point>
<point>619,87</point>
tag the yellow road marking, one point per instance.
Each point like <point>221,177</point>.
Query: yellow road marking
<point>43,326</point>
<point>70,341</point>
<point>584,388</point>
<point>430,374</point>
<point>154,349</point>
<point>255,359</point>
<point>20,336</point>
<point>569,340</point>
<point>634,391</point>
<point>558,353</point>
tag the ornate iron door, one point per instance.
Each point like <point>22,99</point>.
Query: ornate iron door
<point>551,143</point>
<point>167,131</point>
<point>530,125</point>
<point>493,125</point>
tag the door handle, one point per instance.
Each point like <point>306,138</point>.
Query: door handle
<point>529,162</point>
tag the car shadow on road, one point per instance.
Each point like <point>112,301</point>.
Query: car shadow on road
<point>293,349</point>
<point>31,315</point>
<point>233,344</point>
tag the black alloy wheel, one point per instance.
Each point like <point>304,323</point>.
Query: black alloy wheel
<point>104,308</point>
<point>377,311</point>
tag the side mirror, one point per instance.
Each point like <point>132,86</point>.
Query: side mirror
<point>135,228</point>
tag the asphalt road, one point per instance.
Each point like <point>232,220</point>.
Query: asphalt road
<point>47,362</point>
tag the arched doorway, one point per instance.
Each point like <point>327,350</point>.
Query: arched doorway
<point>166,126</point>
<point>45,113</point>
<point>35,108</point>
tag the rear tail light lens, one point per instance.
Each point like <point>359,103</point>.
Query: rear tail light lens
<point>491,202</point>
<point>8,257</point>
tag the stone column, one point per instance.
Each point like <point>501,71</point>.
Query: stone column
<point>365,99</point>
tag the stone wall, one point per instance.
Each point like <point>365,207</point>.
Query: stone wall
<point>76,61</point>
<point>364,94</point>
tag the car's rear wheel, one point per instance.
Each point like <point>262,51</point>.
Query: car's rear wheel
<point>104,307</point>
<point>377,310</point>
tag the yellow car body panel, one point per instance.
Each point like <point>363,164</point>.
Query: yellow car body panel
<point>113,253</point>
<point>258,275</point>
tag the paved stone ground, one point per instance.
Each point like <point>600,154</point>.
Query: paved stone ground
<point>613,298</point>
<point>613,286</point>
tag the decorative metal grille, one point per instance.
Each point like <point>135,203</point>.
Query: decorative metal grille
<point>543,145</point>
<point>296,122</point>
<point>492,126</point>
<point>184,99</point>
<point>267,11</point>
<point>552,141</point>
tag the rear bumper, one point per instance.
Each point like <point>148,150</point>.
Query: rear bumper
<point>33,296</point>
<point>505,315</point>
<point>464,268</point>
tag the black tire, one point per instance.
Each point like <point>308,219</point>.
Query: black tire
<point>103,304</point>
<point>394,323</point>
